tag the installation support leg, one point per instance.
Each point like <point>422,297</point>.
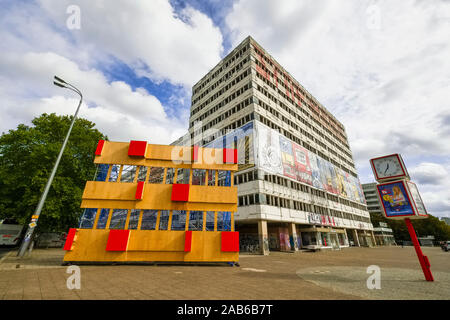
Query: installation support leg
<point>424,263</point>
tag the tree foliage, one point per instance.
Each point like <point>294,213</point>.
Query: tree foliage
<point>27,156</point>
<point>431,226</point>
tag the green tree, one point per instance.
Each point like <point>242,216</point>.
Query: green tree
<point>27,156</point>
<point>431,226</point>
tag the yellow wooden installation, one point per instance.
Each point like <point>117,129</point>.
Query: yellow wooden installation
<point>196,241</point>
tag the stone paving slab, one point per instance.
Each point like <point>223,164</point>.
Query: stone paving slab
<point>395,283</point>
<point>336,275</point>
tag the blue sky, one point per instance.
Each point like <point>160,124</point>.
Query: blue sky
<point>381,67</point>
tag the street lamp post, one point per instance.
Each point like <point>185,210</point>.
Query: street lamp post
<point>32,226</point>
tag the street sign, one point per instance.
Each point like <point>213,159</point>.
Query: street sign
<point>32,224</point>
<point>400,199</point>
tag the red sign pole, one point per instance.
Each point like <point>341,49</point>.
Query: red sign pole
<point>424,263</point>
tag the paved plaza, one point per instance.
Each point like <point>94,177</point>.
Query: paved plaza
<point>302,275</point>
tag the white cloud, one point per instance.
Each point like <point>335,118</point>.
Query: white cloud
<point>429,173</point>
<point>433,181</point>
<point>118,110</point>
<point>147,35</point>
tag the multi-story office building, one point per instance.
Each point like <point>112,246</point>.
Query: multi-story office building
<point>370,193</point>
<point>297,182</point>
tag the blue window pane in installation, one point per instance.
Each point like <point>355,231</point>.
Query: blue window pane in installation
<point>223,221</point>
<point>164,219</point>
<point>103,219</point>
<point>209,226</point>
<point>118,219</point>
<point>88,218</point>
<point>149,219</point>
<point>196,220</point>
<point>102,172</point>
<point>178,220</point>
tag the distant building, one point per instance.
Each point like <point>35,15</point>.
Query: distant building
<point>426,241</point>
<point>384,236</point>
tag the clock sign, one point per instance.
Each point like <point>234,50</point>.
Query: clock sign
<point>389,167</point>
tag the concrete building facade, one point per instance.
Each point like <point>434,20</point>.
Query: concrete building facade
<point>297,182</point>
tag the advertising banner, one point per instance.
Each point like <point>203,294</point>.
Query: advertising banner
<point>269,152</point>
<point>268,149</point>
<point>287,158</point>
<point>417,199</point>
<point>316,176</point>
<point>395,200</point>
<point>331,178</point>
<point>302,164</point>
<point>241,138</point>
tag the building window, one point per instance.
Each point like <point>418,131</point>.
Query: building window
<point>223,221</point>
<point>198,177</point>
<point>209,225</point>
<point>196,220</point>
<point>142,175</point>
<point>103,219</point>
<point>102,172</point>
<point>114,175</point>
<point>156,175</point>
<point>128,173</point>
<point>170,175</point>
<point>183,175</point>
<point>211,177</point>
<point>178,220</point>
<point>224,178</point>
<point>149,219</point>
<point>134,219</point>
<point>118,219</point>
<point>88,218</point>
<point>164,219</point>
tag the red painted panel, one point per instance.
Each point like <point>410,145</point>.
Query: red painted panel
<point>118,240</point>
<point>230,241</point>
<point>140,190</point>
<point>98,151</point>
<point>69,239</point>
<point>137,148</point>
<point>194,153</point>
<point>188,241</point>
<point>180,192</point>
<point>230,155</point>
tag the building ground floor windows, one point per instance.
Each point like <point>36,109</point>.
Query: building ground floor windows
<point>261,237</point>
<point>385,240</point>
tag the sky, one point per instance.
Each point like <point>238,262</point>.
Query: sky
<point>382,68</point>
